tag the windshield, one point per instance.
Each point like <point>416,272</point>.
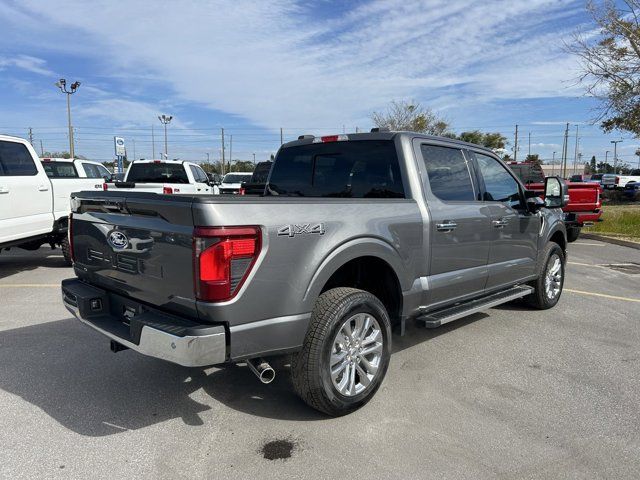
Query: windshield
<point>237,177</point>
<point>157,173</point>
<point>60,169</point>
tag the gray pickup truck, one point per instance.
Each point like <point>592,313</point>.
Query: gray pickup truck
<point>355,235</point>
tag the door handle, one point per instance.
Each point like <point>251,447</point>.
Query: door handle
<point>42,188</point>
<point>4,189</point>
<point>500,223</point>
<point>446,226</point>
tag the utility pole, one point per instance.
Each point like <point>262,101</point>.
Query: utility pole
<point>222,133</point>
<point>153,144</point>
<point>565,148</point>
<point>30,136</point>
<point>62,85</point>
<point>606,156</point>
<point>529,143</point>
<point>165,119</point>
<point>41,149</point>
<point>254,158</point>
<point>575,154</point>
<point>230,151</point>
<point>553,163</point>
<point>134,148</point>
<point>638,154</point>
<point>357,131</point>
<point>615,155</point>
<point>207,157</point>
<point>515,146</point>
<point>281,137</point>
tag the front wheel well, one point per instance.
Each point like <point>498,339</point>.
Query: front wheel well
<point>560,239</point>
<point>373,275</point>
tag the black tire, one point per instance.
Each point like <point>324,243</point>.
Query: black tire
<point>573,234</point>
<point>66,251</point>
<point>540,299</point>
<point>310,368</point>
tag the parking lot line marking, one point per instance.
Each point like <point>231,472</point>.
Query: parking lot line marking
<point>603,295</point>
<point>28,285</point>
<point>590,244</point>
<point>585,264</point>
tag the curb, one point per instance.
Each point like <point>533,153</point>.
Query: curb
<point>615,241</point>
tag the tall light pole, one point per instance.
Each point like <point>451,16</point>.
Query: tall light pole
<point>615,155</point>
<point>164,120</point>
<point>553,163</point>
<point>254,159</point>
<point>62,85</point>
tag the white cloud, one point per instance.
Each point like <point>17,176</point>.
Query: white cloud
<point>277,63</point>
<point>26,62</point>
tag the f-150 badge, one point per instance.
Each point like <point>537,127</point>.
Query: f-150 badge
<point>307,228</point>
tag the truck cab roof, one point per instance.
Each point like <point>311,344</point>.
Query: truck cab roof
<point>379,135</point>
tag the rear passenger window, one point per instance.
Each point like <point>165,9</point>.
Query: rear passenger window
<point>350,169</point>
<point>15,160</point>
<point>449,176</point>
<point>91,170</point>
<point>499,185</point>
<point>60,170</point>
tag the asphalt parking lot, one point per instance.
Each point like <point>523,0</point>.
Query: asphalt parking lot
<point>511,393</point>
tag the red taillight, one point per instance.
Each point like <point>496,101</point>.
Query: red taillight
<point>242,191</point>
<point>167,190</point>
<point>617,180</point>
<point>105,187</point>
<point>70,238</point>
<point>223,258</point>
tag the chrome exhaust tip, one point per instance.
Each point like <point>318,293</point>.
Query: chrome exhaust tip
<point>261,368</point>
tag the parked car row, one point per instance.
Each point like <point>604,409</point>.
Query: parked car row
<point>35,192</point>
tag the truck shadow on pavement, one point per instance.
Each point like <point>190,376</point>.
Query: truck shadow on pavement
<point>11,264</point>
<point>68,371</point>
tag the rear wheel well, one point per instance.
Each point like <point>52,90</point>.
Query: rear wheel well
<point>373,275</point>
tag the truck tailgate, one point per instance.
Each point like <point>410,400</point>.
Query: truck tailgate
<point>138,245</point>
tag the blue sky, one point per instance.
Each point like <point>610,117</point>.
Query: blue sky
<point>254,67</point>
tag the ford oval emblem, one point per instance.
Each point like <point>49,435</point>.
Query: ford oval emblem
<point>117,240</point>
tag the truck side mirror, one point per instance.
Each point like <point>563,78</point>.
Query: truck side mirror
<point>555,193</point>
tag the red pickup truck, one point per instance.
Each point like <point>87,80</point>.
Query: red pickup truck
<point>584,207</point>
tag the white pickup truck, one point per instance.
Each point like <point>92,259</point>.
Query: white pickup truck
<point>68,176</point>
<point>619,181</point>
<point>165,177</point>
<point>35,196</point>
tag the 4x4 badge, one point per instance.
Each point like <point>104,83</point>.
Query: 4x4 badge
<point>307,228</point>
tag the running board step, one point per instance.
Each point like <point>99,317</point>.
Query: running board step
<point>440,317</point>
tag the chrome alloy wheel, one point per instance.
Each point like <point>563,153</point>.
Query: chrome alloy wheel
<point>356,354</point>
<point>553,277</point>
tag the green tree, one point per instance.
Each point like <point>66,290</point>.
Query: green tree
<point>242,166</point>
<point>605,167</point>
<point>533,158</point>
<point>610,63</point>
<point>412,116</point>
<point>493,141</point>
<point>592,164</point>
<point>63,154</point>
